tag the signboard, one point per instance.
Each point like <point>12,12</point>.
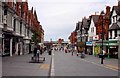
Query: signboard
<point>97,49</point>
<point>81,44</point>
<point>89,43</point>
<point>96,37</point>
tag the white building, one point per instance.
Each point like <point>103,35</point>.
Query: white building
<point>114,30</point>
<point>92,33</point>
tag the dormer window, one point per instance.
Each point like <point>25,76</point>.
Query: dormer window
<point>115,33</point>
<point>114,19</point>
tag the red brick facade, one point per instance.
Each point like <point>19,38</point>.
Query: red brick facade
<point>103,20</point>
<point>73,38</point>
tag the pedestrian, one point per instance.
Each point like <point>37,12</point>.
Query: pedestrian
<point>19,50</point>
<point>41,50</point>
<point>36,52</point>
<point>104,53</point>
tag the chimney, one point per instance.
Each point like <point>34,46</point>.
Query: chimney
<point>107,9</point>
<point>118,2</point>
<point>96,13</point>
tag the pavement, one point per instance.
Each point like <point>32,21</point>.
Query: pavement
<point>67,65</point>
<point>20,66</point>
<point>107,62</point>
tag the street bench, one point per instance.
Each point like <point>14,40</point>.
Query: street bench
<point>37,60</point>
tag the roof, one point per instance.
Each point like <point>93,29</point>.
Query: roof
<point>85,23</point>
<point>80,24</point>
<point>35,15</point>
<point>95,18</point>
<point>114,27</point>
<point>117,10</point>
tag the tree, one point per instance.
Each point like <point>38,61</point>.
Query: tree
<point>35,37</point>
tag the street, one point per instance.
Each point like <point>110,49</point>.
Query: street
<point>63,64</point>
<point>68,65</point>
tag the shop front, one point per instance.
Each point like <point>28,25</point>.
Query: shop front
<point>111,48</point>
<point>7,44</point>
<point>89,46</point>
<point>1,42</point>
<point>27,46</point>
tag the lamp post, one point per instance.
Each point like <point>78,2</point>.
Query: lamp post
<point>102,13</point>
<point>108,49</point>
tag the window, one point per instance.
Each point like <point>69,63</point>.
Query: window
<point>0,14</point>
<point>20,27</point>
<point>25,31</point>
<point>110,34</point>
<point>114,19</point>
<point>92,29</point>
<point>14,24</point>
<point>28,32</point>
<point>115,33</point>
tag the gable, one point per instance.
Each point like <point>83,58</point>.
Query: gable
<point>92,26</point>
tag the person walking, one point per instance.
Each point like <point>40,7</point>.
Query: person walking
<point>36,53</point>
<point>104,53</point>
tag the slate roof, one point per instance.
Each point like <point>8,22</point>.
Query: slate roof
<point>117,9</point>
<point>85,23</point>
<point>80,24</point>
<point>114,27</point>
<point>95,18</point>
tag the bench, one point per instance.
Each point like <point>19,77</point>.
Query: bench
<point>36,59</point>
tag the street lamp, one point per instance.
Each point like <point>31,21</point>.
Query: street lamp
<point>102,13</point>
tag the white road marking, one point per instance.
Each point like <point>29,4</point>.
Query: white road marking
<point>52,67</point>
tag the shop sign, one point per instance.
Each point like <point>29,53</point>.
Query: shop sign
<point>96,37</point>
<point>81,44</point>
<point>89,43</point>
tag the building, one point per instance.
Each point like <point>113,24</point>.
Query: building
<point>73,38</point>
<point>1,26</point>
<point>85,28</point>
<point>114,31</point>
<point>92,33</point>
<point>17,26</point>
<point>102,31</point>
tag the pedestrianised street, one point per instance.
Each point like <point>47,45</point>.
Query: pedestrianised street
<point>59,38</point>
<point>59,64</point>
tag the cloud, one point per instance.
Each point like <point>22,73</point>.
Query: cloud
<point>58,17</point>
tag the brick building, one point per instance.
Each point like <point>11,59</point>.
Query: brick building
<point>18,24</point>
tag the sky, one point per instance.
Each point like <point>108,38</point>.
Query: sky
<point>59,17</point>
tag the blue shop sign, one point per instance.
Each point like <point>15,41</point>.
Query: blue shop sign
<point>89,43</point>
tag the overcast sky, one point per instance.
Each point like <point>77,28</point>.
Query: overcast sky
<point>59,17</point>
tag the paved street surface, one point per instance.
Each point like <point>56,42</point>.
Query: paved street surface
<point>20,66</point>
<point>63,64</point>
<point>67,65</point>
